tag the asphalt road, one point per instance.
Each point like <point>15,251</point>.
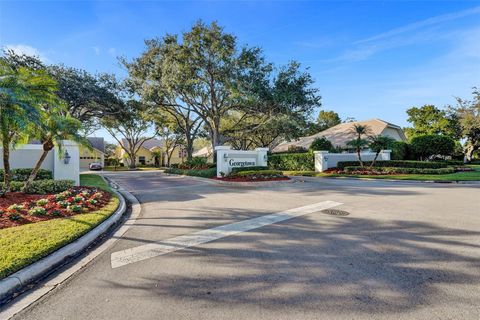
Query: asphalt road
<point>406,251</point>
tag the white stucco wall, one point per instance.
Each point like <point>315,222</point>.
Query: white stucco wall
<point>26,156</point>
<point>325,160</point>
<point>392,133</point>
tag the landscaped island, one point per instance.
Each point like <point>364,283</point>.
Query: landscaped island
<point>34,225</point>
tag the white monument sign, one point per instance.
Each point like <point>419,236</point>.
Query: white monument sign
<point>228,159</point>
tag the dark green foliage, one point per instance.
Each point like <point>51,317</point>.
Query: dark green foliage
<point>256,168</point>
<point>397,164</point>
<point>427,146</point>
<point>400,151</point>
<point>292,161</point>
<point>321,144</point>
<point>22,174</point>
<point>400,170</point>
<point>205,173</point>
<point>41,186</point>
<point>259,174</point>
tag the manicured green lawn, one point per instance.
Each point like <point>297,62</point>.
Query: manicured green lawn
<point>458,176</point>
<point>23,245</point>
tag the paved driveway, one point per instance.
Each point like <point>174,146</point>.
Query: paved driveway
<point>406,251</point>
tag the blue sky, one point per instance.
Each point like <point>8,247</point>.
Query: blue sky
<point>369,58</point>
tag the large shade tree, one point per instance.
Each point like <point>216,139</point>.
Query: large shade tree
<point>468,113</point>
<point>429,120</point>
<point>131,128</point>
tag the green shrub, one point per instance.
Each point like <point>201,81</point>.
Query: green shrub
<point>292,161</point>
<point>400,170</point>
<point>263,173</point>
<point>205,173</point>
<point>427,146</point>
<point>399,150</point>
<point>297,149</point>
<point>255,168</point>
<point>396,163</point>
<point>321,144</point>
<point>22,174</point>
<point>198,163</point>
<point>41,186</point>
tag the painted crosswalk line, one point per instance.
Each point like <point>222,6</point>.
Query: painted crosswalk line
<point>151,250</point>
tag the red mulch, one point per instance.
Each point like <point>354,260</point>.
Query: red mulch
<point>53,209</point>
<point>18,197</point>
<point>246,179</point>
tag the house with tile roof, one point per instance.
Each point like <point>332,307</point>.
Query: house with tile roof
<point>340,134</point>
<point>148,154</point>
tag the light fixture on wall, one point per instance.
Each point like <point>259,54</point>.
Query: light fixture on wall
<point>66,157</point>
<point>225,157</point>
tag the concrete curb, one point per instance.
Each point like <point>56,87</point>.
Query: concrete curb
<point>37,270</point>
<point>235,184</point>
<point>392,180</point>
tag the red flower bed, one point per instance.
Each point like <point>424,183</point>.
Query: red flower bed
<point>17,208</point>
<point>251,179</point>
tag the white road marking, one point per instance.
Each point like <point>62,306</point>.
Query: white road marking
<point>147,251</point>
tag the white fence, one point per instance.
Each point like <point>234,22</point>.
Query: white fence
<point>228,159</point>
<point>325,160</point>
<point>27,155</point>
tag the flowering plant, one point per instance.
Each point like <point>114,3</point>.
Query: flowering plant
<point>38,211</point>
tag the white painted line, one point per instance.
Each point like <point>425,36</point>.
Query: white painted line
<point>151,250</point>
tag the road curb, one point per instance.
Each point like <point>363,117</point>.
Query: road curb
<point>43,267</point>
<point>394,180</point>
<point>235,184</point>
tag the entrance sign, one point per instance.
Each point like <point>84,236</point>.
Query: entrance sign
<point>228,159</point>
<point>239,163</point>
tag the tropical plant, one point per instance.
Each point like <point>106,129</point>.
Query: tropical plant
<point>359,142</point>
<point>428,146</point>
<point>22,91</point>
<point>55,126</point>
<point>379,143</point>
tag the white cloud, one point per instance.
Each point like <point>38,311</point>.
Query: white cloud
<point>421,24</point>
<point>96,50</point>
<point>28,50</point>
<point>112,52</point>
<point>422,32</point>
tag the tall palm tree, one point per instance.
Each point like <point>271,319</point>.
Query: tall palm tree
<point>56,126</point>
<point>22,92</point>
<point>379,143</point>
<point>359,142</point>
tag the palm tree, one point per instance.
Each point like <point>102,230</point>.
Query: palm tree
<point>379,143</point>
<point>22,92</point>
<point>56,125</point>
<point>359,142</point>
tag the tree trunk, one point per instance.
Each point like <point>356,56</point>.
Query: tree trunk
<point>359,157</point>
<point>469,153</point>
<point>374,161</point>
<point>6,165</point>
<point>132,165</point>
<point>47,146</point>
<point>189,147</point>
<point>35,170</point>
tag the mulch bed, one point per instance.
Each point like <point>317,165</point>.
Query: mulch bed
<point>74,201</point>
<point>246,179</point>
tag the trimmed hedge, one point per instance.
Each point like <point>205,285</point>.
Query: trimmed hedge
<point>396,164</point>
<point>257,172</point>
<point>204,173</point>
<point>399,170</point>
<point>292,161</point>
<point>22,174</point>
<point>255,168</point>
<point>41,186</point>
